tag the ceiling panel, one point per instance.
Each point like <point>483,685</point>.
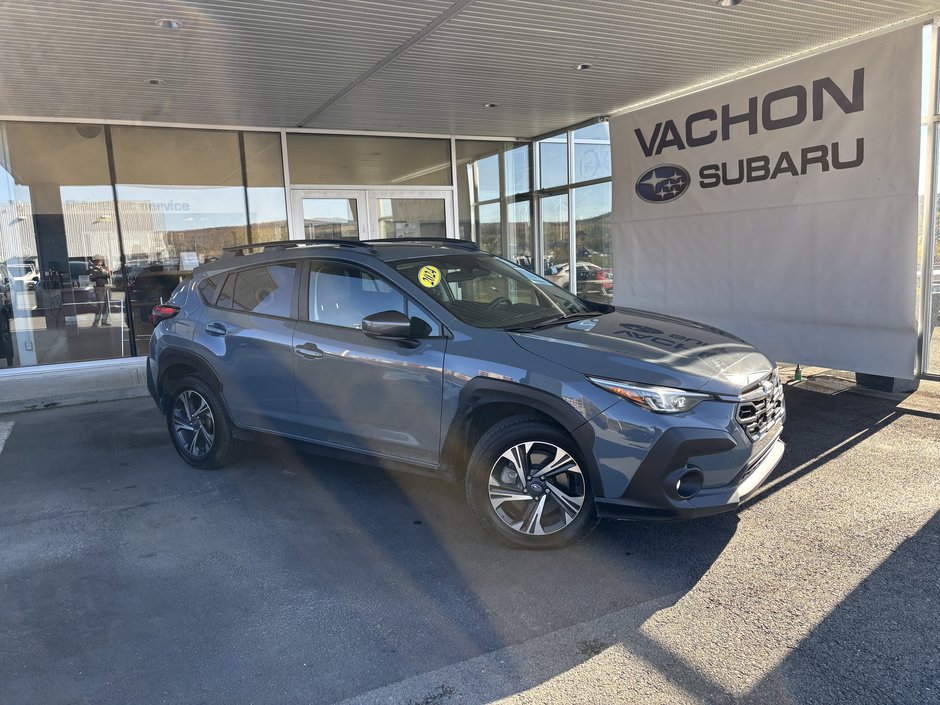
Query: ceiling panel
<point>398,65</point>
<point>232,62</point>
<point>520,55</point>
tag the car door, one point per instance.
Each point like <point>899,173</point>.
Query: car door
<point>249,329</point>
<point>354,391</point>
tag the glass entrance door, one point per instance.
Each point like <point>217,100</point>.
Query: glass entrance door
<point>330,215</point>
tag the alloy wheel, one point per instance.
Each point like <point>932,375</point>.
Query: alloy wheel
<point>193,423</point>
<point>536,488</point>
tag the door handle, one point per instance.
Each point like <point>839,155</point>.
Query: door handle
<point>309,351</point>
<point>216,329</point>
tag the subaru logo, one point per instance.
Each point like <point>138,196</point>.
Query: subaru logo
<point>663,183</point>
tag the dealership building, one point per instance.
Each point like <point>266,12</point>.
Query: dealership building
<point>142,138</point>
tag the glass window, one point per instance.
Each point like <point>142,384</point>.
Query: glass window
<point>489,228</point>
<point>264,172</point>
<point>208,287</point>
<point>265,290</point>
<point>354,160</point>
<point>557,239</point>
<point>227,293</point>
<point>495,216</point>
<point>520,243</point>
<point>331,218</point>
<point>342,294</point>
<point>486,177</point>
<point>592,152</point>
<point>62,291</point>
<point>181,200</point>
<point>518,170</point>
<point>411,217</point>
<point>553,161</point>
<point>933,315</point>
<point>594,264</point>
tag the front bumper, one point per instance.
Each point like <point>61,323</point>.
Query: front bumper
<point>649,495</point>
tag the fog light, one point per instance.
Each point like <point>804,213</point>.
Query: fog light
<point>690,483</point>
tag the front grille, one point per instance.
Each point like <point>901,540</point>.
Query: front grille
<point>761,406</point>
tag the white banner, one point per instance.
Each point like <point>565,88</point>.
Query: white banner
<point>782,207</point>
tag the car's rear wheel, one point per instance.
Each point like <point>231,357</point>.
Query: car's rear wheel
<point>527,486</point>
<point>6,339</point>
<point>199,427</point>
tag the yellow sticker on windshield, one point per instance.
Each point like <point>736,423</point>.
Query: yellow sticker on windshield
<point>429,276</point>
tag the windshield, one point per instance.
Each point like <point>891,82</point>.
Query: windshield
<point>488,292</point>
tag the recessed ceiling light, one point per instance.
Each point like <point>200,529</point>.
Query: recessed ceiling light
<point>155,81</point>
<point>729,3</point>
<point>168,23</point>
<point>491,105</point>
<point>582,67</point>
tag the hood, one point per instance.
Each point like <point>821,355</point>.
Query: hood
<point>650,348</point>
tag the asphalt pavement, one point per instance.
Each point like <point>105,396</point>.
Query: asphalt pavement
<point>128,577</point>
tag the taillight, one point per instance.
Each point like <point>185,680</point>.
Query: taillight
<point>162,312</point>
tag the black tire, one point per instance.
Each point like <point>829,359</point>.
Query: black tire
<point>214,444</point>
<point>6,339</point>
<point>489,474</point>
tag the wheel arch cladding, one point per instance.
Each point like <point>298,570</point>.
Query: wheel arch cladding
<point>488,401</point>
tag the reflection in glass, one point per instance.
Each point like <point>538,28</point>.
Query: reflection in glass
<point>411,217</point>
<point>486,176</point>
<point>489,232</point>
<point>553,161</point>
<point>499,215</point>
<point>520,245</point>
<point>331,219</point>
<point>594,264</point>
<point>555,232</point>
<point>61,295</point>
<point>357,160</point>
<point>264,170</point>
<point>592,152</point>
<point>932,329</point>
<point>518,170</point>
<point>181,201</point>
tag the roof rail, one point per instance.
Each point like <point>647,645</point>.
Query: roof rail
<point>239,250</point>
<point>452,241</point>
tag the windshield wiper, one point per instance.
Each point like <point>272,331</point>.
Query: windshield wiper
<point>557,321</point>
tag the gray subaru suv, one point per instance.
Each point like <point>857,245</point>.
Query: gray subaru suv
<point>436,357</point>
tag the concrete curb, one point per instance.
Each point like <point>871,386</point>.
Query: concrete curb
<point>46,387</point>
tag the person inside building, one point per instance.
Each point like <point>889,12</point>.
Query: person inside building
<point>100,276</point>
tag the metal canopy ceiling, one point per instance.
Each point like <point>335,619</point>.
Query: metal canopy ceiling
<point>398,65</point>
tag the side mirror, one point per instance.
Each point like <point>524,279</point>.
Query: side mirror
<point>552,271</point>
<point>387,324</point>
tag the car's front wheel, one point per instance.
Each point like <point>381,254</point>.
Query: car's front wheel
<point>527,486</point>
<point>198,425</point>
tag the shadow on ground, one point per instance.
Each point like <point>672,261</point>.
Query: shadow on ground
<point>847,656</point>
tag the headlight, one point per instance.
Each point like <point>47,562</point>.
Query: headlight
<point>662,400</point>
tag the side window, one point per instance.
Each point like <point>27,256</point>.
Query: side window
<point>265,290</point>
<point>343,294</point>
<point>225,296</point>
<point>208,286</point>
